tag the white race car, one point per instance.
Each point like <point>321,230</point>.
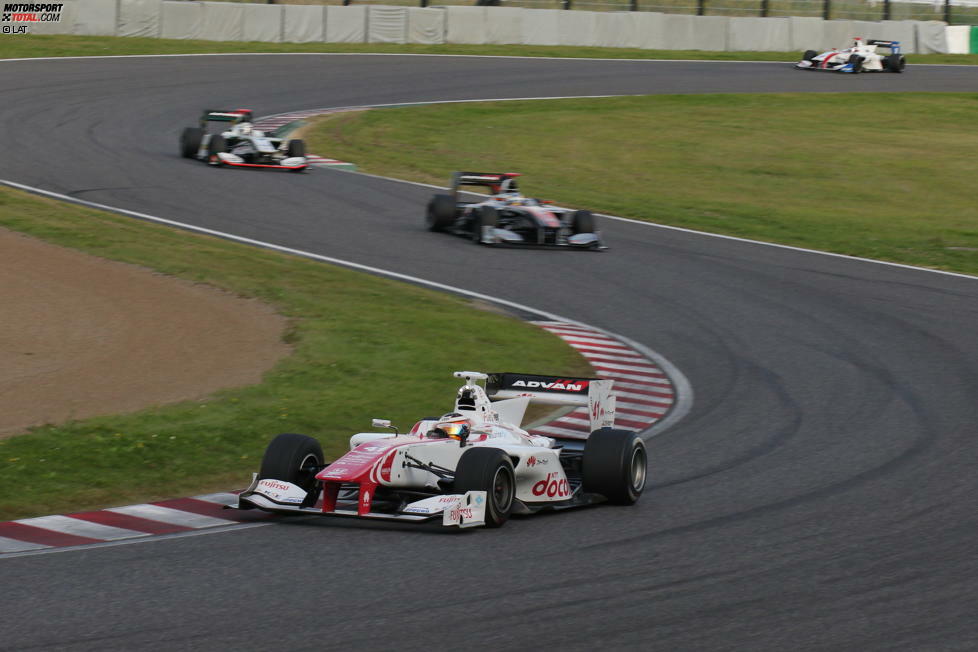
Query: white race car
<point>472,466</point>
<point>861,57</point>
<point>241,145</point>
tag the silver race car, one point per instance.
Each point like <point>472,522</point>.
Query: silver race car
<point>508,217</point>
<point>241,145</point>
<point>473,466</point>
<point>860,57</point>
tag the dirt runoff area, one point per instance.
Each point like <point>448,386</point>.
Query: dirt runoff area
<point>81,336</point>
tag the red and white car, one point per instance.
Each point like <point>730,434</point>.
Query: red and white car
<point>860,57</point>
<point>469,467</point>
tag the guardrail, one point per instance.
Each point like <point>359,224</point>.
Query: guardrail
<point>371,23</point>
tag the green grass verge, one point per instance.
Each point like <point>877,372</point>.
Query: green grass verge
<point>363,347</point>
<point>884,176</point>
<point>71,46</point>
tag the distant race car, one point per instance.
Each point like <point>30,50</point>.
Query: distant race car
<point>472,466</point>
<point>507,217</point>
<point>858,58</point>
<point>241,145</point>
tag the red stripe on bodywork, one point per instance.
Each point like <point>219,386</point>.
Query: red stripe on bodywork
<point>829,57</point>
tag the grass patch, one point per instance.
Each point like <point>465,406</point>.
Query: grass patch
<point>364,347</point>
<point>57,45</point>
<point>873,175</point>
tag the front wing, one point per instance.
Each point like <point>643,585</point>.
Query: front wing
<point>458,510</point>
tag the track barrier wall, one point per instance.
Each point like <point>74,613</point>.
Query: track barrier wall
<point>231,21</point>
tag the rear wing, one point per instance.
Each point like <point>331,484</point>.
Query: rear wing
<point>497,182</point>
<point>233,116</point>
<point>893,45</point>
<point>593,393</point>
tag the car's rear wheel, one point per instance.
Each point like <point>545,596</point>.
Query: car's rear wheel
<point>441,212</point>
<point>294,458</point>
<point>582,222</point>
<point>857,62</point>
<point>809,55</point>
<point>296,147</point>
<point>484,216</point>
<point>190,141</point>
<point>215,145</point>
<point>895,62</point>
<point>615,465</point>
<point>489,470</point>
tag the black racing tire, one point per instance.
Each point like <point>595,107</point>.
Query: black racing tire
<point>582,222</point>
<point>290,457</point>
<point>484,216</point>
<point>489,470</point>
<point>296,147</point>
<point>857,62</point>
<point>441,212</point>
<point>895,62</point>
<point>615,465</point>
<point>190,141</point>
<point>809,55</point>
<point>214,145</point>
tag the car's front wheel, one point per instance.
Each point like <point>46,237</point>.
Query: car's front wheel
<point>441,212</point>
<point>296,147</point>
<point>895,62</point>
<point>190,141</point>
<point>615,465</point>
<point>489,470</point>
<point>809,55</point>
<point>857,62</point>
<point>293,458</point>
<point>582,222</point>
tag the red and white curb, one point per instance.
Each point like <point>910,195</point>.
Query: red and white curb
<point>643,395</point>
<point>117,523</point>
<point>270,123</point>
<point>643,392</point>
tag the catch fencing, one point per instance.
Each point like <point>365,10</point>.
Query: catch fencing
<point>280,23</point>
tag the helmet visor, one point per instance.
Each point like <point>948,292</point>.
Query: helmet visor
<point>454,430</point>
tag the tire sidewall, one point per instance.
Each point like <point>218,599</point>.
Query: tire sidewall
<point>479,469</point>
<point>615,465</point>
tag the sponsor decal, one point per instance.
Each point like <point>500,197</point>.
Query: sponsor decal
<point>279,491</point>
<point>366,497</point>
<point>460,513</point>
<point>597,411</point>
<point>552,487</point>
<point>534,460</point>
<point>556,386</point>
<point>448,499</point>
<point>420,510</point>
<point>29,12</point>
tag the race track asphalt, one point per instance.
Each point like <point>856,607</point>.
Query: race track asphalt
<point>820,494</point>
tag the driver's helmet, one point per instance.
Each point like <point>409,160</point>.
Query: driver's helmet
<point>242,129</point>
<point>451,426</point>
